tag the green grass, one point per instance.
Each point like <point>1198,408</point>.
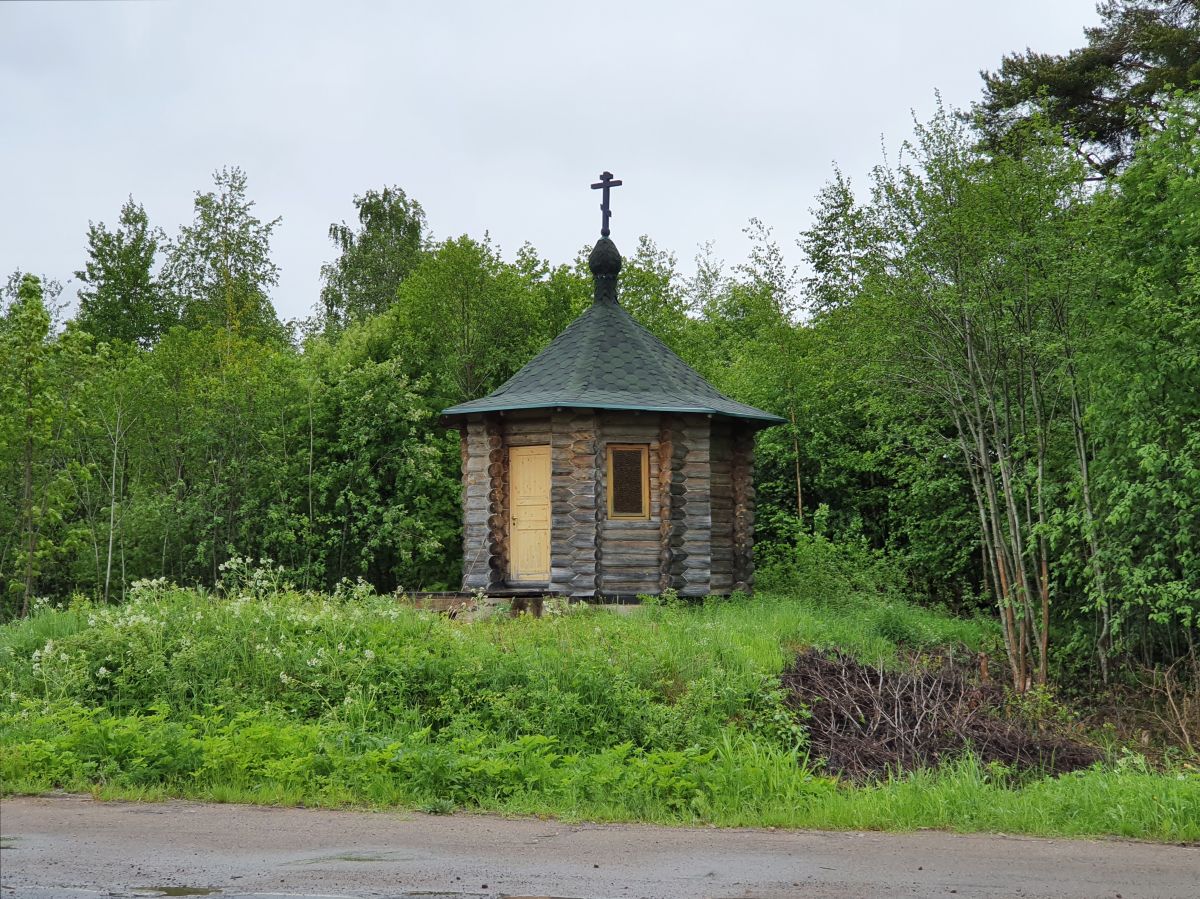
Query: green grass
<point>668,715</point>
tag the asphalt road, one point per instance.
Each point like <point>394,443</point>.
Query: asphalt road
<point>72,847</point>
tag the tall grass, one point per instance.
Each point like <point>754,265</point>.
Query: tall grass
<point>670,714</point>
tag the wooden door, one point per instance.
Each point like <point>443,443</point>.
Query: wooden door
<point>529,513</point>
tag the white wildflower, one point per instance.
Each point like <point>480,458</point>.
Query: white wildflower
<point>368,654</point>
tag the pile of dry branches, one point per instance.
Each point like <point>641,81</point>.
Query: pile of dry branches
<point>1158,708</point>
<point>867,721</point>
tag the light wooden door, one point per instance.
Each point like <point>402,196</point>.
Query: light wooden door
<point>529,513</point>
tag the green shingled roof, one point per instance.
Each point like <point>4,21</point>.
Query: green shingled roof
<point>606,360</point>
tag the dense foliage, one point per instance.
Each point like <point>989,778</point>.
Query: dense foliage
<point>260,693</point>
<point>990,366</point>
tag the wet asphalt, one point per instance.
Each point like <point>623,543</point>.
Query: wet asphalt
<point>69,847</point>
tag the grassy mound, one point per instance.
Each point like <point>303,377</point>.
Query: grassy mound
<point>673,714</point>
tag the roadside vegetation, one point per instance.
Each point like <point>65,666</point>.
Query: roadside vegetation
<point>985,500</point>
<point>673,713</point>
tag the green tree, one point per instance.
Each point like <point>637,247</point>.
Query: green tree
<point>100,471</point>
<point>374,258</point>
<point>51,288</point>
<point>384,475</point>
<point>37,408</point>
<point>972,265</point>
<point>756,298</point>
<point>1142,365</point>
<point>559,294</point>
<point>121,299</point>
<point>220,269</point>
<point>1103,94</point>
<point>653,293</point>
<point>469,318</point>
<point>752,349</point>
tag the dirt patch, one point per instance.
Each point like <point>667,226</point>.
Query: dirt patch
<point>867,721</point>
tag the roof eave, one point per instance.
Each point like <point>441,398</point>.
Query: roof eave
<point>760,420</point>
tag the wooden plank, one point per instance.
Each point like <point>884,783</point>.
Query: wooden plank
<point>647,574</point>
<point>618,526</point>
<point>634,586</point>
<point>616,542</point>
<point>612,536</point>
<point>540,426</point>
<point>615,556</point>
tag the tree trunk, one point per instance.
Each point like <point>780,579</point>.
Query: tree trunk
<point>115,435</point>
<point>796,457</point>
<point>27,508</point>
<point>27,498</point>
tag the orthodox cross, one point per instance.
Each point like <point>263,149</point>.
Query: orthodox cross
<point>606,181</point>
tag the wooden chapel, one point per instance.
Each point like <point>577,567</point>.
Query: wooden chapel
<point>607,467</point>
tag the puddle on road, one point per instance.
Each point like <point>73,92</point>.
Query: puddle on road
<point>412,894</point>
<point>359,857</point>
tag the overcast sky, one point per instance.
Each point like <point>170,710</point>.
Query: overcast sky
<point>495,115</point>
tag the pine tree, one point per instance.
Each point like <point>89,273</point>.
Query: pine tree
<point>1103,94</point>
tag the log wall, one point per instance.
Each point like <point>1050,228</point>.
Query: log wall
<point>721,499</point>
<point>493,429</point>
<point>526,428</point>
<point>666,453</point>
<point>629,549</point>
<point>693,515</point>
<point>743,510</point>
<point>697,540</point>
<point>573,503</point>
<point>477,551</point>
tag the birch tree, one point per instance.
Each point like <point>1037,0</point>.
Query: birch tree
<point>965,262</point>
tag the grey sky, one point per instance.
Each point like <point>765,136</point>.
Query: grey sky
<point>495,116</point>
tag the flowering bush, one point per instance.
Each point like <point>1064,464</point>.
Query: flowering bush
<point>241,576</point>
